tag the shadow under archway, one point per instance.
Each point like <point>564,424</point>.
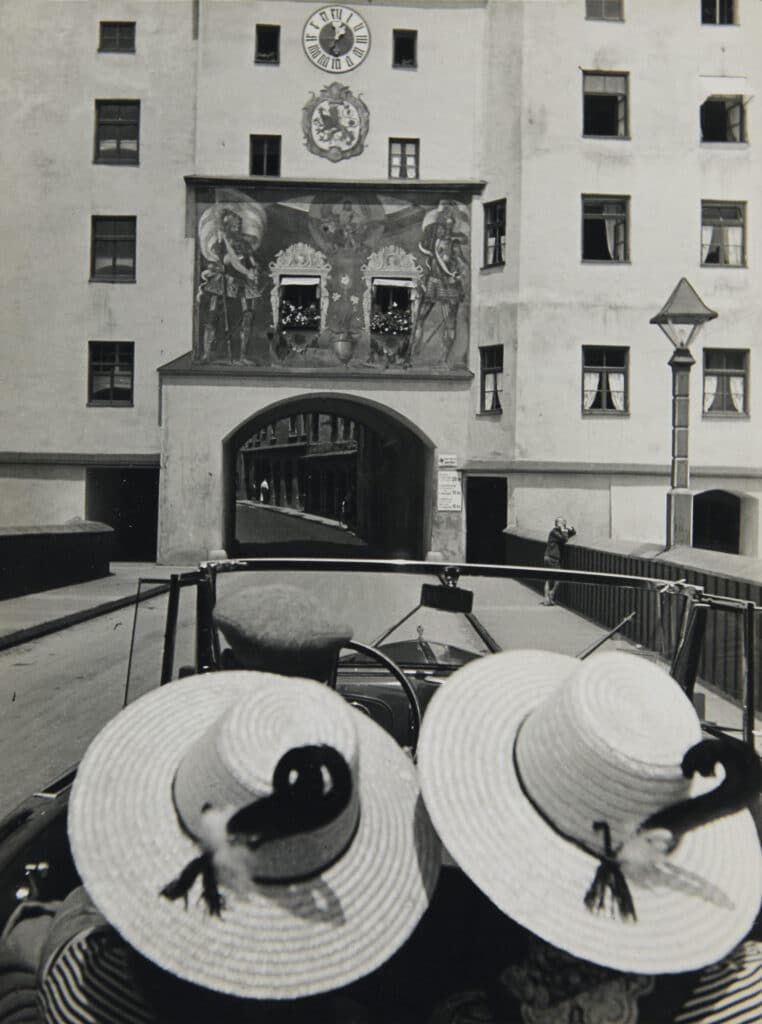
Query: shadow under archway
<point>327,476</point>
<point>717,521</point>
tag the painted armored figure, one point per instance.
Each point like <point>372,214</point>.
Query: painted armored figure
<point>229,280</point>
<point>445,250</point>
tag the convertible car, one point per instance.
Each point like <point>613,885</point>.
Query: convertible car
<point>413,624</point>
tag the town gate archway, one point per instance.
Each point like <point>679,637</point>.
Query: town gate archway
<point>326,475</point>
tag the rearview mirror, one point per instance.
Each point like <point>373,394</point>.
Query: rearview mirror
<point>447,599</point>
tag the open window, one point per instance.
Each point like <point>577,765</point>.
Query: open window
<point>605,104</point>
<point>723,119</point>
<point>604,228</point>
<point>718,12</point>
<point>267,44</point>
<point>391,306</point>
<point>299,303</point>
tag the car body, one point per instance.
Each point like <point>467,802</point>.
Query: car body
<point>415,623</point>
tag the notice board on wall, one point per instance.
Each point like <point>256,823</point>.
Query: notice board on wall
<point>449,491</point>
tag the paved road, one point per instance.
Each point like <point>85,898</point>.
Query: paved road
<point>276,529</point>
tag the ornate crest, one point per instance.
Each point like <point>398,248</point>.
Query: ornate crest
<point>335,123</point>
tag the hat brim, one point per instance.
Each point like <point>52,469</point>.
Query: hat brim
<point>699,909</point>
<point>282,940</point>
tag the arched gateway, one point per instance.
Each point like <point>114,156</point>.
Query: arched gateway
<point>326,475</point>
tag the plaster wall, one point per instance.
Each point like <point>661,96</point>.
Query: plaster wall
<point>496,288</point>
<point>436,102</point>
<point>193,493</point>
<point>534,501</point>
<point>665,171</point>
<point>53,74</point>
<point>41,495</point>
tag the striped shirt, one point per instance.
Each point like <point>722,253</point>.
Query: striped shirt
<point>728,992</point>
<point>89,982</point>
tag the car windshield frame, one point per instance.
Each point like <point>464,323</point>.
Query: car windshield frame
<point>453,577</point>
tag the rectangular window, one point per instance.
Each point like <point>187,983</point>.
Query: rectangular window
<point>117,128</point>
<point>494,233</point>
<point>604,10</point>
<point>264,155</point>
<point>391,308</point>
<point>491,364</point>
<point>299,304</point>
<point>267,44</point>
<point>725,381</point>
<point>723,234</point>
<point>403,158</point>
<point>112,249</point>
<point>605,104</point>
<point>723,119</point>
<point>117,37</point>
<point>404,48</point>
<point>111,373</point>
<point>717,12</point>
<point>604,379</point>
<point>604,228</point>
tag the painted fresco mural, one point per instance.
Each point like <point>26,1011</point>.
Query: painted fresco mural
<point>330,279</point>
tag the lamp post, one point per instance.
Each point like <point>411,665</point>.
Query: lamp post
<point>681,318</point>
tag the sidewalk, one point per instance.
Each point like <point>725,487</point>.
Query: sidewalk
<point>26,618</point>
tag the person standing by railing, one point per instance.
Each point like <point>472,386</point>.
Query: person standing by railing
<point>557,538</point>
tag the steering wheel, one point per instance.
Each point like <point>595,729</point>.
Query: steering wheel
<point>412,697</point>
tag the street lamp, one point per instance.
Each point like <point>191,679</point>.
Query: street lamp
<point>681,318</point>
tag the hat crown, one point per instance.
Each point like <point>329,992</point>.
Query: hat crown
<point>607,745</point>
<point>233,763</point>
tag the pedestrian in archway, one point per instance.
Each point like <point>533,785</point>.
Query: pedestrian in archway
<point>264,492</point>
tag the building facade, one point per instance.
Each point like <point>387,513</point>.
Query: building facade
<point>410,251</point>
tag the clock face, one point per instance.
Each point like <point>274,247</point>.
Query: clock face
<point>336,39</point>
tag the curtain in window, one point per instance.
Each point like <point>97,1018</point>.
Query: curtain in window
<point>590,384</point>
<point>708,243</point>
<point>710,390</point>
<point>609,214</point>
<point>616,390</point>
<point>613,218</point>
<point>737,393</point>
<point>621,117</point>
<point>732,246</point>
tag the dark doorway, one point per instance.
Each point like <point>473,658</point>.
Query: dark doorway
<point>717,521</point>
<point>128,501</point>
<point>486,514</point>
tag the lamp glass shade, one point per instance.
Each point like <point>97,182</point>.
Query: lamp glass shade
<point>683,315</point>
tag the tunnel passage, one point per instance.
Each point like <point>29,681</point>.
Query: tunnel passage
<point>326,476</point>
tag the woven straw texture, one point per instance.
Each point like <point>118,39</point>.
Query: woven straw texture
<point>280,940</point>
<point>599,739</point>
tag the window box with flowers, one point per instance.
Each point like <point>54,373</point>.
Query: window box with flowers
<point>295,317</point>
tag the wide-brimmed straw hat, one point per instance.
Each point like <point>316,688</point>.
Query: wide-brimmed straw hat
<point>541,772</point>
<point>253,834</point>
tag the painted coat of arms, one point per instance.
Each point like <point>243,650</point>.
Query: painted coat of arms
<point>335,123</point>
